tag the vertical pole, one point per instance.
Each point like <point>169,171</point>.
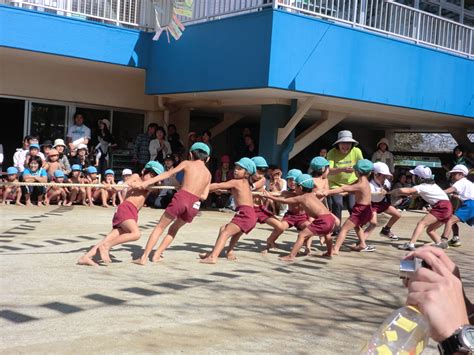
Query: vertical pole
<point>354,18</point>
<point>118,13</point>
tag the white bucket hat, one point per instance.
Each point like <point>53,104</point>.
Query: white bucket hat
<point>81,146</point>
<point>383,140</point>
<point>126,172</point>
<point>460,169</point>
<point>58,141</point>
<point>422,171</point>
<point>106,122</point>
<point>381,168</point>
<point>345,137</point>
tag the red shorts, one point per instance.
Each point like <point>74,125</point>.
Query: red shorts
<point>125,211</point>
<point>184,205</point>
<point>295,220</point>
<point>262,214</point>
<point>322,225</point>
<point>381,206</point>
<point>245,218</point>
<point>361,214</point>
<point>442,210</point>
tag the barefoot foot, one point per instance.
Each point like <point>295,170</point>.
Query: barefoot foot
<point>287,258</point>
<point>208,260</point>
<point>204,255</point>
<point>140,261</point>
<point>157,258</point>
<point>85,260</point>
<point>104,254</point>
<point>230,256</point>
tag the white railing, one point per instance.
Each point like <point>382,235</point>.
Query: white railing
<point>393,19</point>
<point>383,16</point>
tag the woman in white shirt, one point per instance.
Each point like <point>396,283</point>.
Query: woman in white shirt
<point>159,147</point>
<point>383,154</point>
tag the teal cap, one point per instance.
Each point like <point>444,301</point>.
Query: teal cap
<point>76,167</point>
<point>200,146</point>
<point>109,172</point>
<point>91,170</point>
<point>318,163</point>
<point>293,174</point>
<point>154,166</point>
<point>364,166</point>
<point>260,162</point>
<point>305,180</point>
<point>12,170</point>
<point>248,165</point>
<point>35,146</point>
<point>58,174</point>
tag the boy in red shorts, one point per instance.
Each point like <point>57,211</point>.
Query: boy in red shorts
<point>124,223</point>
<point>362,211</point>
<point>244,220</point>
<point>323,223</point>
<point>185,203</point>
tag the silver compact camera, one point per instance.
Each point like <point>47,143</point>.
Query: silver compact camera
<point>409,267</point>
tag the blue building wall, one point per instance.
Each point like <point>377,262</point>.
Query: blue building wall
<point>70,37</point>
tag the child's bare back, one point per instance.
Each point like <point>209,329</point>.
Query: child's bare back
<point>196,177</point>
<point>363,194</point>
<point>136,196</point>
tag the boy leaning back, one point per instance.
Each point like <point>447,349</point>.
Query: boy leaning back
<point>185,203</point>
<point>125,221</point>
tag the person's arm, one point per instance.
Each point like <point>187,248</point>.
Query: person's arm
<point>27,177</point>
<point>343,189</point>
<point>450,190</point>
<point>286,200</point>
<point>67,166</point>
<point>43,177</point>
<point>87,135</point>
<point>403,191</point>
<point>335,171</point>
<point>259,184</point>
<point>227,185</point>
<point>162,176</point>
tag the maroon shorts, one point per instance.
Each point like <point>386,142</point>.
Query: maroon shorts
<point>381,206</point>
<point>125,211</point>
<point>361,214</point>
<point>322,225</point>
<point>262,214</point>
<point>184,205</point>
<point>442,210</point>
<point>295,220</point>
<point>245,218</point>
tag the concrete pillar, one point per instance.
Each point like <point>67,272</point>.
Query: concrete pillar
<point>461,138</point>
<point>272,118</point>
<point>181,119</point>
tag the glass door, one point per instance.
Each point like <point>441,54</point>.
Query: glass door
<point>48,121</point>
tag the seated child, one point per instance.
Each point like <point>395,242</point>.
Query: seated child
<point>108,193</point>
<point>362,211</point>
<point>56,194</point>
<point>34,173</point>
<point>52,163</point>
<point>441,210</point>
<point>185,203</point>
<point>94,194</point>
<point>34,151</point>
<point>277,185</point>
<point>244,220</point>
<point>12,193</point>
<point>125,221</point>
<point>379,185</point>
<point>323,223</point>
<point>296,216</point>
<point>76,194</point>
<point>126,175</point>
<point>464,189</point>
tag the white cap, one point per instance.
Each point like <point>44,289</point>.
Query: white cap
<point>460,169</point>
<point>126,172</point>
<point>422,171</point>
<point>381,168</point>
<point>57,142</point>
<point>81,146</point>
<point>106,122</point>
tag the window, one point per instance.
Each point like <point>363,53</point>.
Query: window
<point>47,121</point>
<point>126,127</point>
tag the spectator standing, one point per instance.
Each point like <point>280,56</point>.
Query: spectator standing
<point>206,138</point>
<point>177,147</point>
<point>141,150</point>
<point>459,158</point>
<point>78,133</point>
<point>341,159</point>
<point>159,147</point>
<point>250,149</point>
<point>105,141</point>
<point>1,157</point>
<point>241,147</point>
<point>383,155</point>
<point>63,160</point>
<point>192,138</point>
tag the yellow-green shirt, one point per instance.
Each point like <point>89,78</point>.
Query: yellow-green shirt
<point>338,160</point>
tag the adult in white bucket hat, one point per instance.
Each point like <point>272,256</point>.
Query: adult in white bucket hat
<point>383,154</point>
<point>341,159</point>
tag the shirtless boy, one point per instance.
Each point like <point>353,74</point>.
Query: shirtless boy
<point>93,193</point>
<point>323,223</point>
<point>185,203</point>
<point>12,193</point>
<point>362,211</point>
<point>76,194</point>
<point>55,193</point>
<point>52,163</point>
<point>125,221</point>
<point>244,220</point>
<point>108,193</point>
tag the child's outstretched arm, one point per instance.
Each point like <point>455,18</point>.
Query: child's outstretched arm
<point>403,191</point>
<point>167,174</point>
<point>222,185</point>
<point>286,200</point>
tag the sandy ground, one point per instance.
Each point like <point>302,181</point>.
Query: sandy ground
<point>256,304</point>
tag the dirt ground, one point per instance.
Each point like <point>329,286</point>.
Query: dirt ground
<point>257,304</point>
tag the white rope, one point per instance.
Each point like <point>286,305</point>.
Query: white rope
<point>65,184</point>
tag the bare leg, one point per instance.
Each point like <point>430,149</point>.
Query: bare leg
<point>431,231</point>
<point>425,221</point>
<point>302,236</point>
<point>347,226</point>
<point>87,258</point>
<point>230,249</point>
<point>373,224</point>
<point>329,245</point>
<point>164,222</point>
<point>449,226</point>
<point>271,240</point>
<point>395,216</point>
<point>172,231</point>
<point>229,230</point>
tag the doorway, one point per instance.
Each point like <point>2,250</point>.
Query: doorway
<point>13,112</point>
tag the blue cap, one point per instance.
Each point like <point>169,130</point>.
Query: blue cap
<point>12,170</point>
<point>293,174</point>
<point>34,145</point>
<point>109,172</point>
<point>318,163</point>
<point>58,174</point>
<point>200,146</point>
<point>91,170</point>
<point>154,166</point>
<point>364,166</point>
<point>248,165</point>
<point>305,180</point>
<point>76,167</point>
<point>260,162</point>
